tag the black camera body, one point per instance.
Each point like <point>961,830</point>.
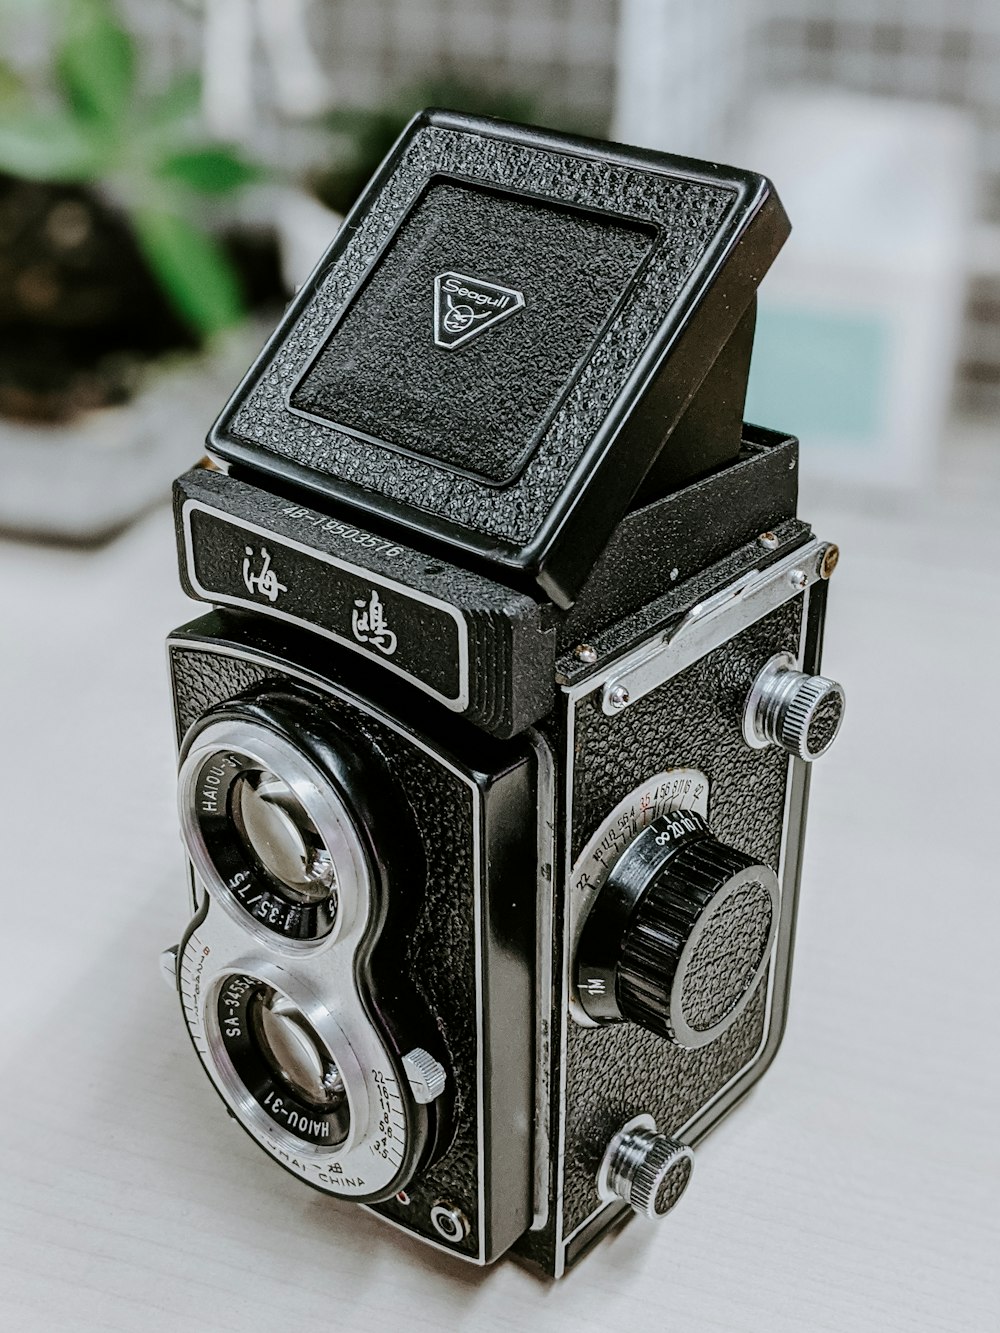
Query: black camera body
<point>494,750</point>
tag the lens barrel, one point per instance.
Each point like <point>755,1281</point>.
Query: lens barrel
<point>281,1062</point>
<point>290,973</point>
<point>268,830</point>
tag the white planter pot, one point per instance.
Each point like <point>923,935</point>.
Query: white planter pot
<point>86,480</point>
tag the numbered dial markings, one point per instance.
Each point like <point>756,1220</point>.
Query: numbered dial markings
<point>320,1096</point>
<point>673,789</point>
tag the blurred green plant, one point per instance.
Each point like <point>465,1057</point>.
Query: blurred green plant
<point>142,149</point>
<point>363,136</point>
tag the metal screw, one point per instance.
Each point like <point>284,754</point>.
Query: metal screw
<point>798,578</point>
<point>769,541</point>
<point>585,653</point>
<point>618,697</point>
<point>829,561</point>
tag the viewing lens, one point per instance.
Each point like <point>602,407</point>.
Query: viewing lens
<point>280,834</point>
<point>253,834</point>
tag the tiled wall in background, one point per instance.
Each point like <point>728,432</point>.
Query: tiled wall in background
<point>683,72</point>
<point>559,51</point>
<point>943,50</point>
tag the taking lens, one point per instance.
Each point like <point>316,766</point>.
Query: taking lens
<point>282,1062</point>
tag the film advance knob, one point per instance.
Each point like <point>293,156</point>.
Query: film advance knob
<point>649,1171</point>
<point>680,934</point>
<point>800,713</point>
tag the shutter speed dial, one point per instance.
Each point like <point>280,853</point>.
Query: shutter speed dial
<point>680,935</point>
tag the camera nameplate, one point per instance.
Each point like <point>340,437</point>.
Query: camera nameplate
<point>360,610</point>
<point>477,648</point>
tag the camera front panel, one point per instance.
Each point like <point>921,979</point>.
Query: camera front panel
<point>364,939</point>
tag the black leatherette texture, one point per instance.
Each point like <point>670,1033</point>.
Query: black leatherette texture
<point>481,407</point>
<point>617,1072</point>
<point>687,214</point>
<point>441,951</point>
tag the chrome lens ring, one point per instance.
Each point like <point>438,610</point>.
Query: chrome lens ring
<point>293,873</point>
<point>254,1078</point>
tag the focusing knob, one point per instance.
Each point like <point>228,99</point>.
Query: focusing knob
<point>647,1170</point>
<point>800,713</point>
<point>680,935</point>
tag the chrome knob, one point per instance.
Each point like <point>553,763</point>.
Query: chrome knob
<point>800,713</point>
<point>424,1074</point>
<point>647,1170</point>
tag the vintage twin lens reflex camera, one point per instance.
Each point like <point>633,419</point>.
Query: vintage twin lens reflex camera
<point>495,742</point>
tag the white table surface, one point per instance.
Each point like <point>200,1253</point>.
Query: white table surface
<point>857,1188</point>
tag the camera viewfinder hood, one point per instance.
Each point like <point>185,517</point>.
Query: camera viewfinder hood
<point>514,338</point>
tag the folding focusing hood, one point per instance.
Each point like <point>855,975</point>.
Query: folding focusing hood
<point>515,337</point>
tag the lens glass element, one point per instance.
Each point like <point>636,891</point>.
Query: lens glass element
<point>294,1052</point>
<point>278,831</point>
<point>282,1062</point>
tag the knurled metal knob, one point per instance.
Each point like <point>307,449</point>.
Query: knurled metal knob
<point>800,713</point>
<point>424,1074</point>
<point>647,1170</point>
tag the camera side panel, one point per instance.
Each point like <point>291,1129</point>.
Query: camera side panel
<point>611,1074</point>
